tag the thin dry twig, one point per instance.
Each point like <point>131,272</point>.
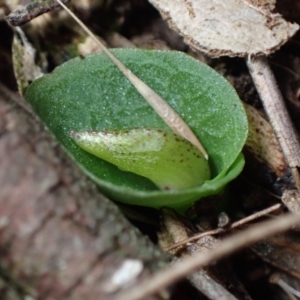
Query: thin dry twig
<point>276,279</point>
<point>275,108</point>
<point>32,10</point>
<point>221,230</point>
<point>257,215</point>
<point>172,274</point>
<point>161,107</point>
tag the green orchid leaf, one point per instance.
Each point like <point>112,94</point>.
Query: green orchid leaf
<point>149,152</point>
<point>91,94</point>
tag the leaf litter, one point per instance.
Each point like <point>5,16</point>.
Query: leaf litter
<point>232,27</point>
<point>265,6</point>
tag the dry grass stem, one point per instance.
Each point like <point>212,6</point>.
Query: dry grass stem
<point>162,108</point>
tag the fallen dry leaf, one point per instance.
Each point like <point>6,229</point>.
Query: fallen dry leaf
<point>281,251</point>
<point>262,142</point>
<point>232,27</point>
<point>24,64</point>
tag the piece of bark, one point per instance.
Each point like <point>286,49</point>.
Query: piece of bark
<point>60,238</point>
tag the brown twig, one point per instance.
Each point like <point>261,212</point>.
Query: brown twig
<point>174,273</point>
<point>275,108</point>
<point>220,230</point>
<point>32,10</point>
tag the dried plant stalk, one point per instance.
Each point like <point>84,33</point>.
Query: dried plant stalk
<point>275,108</point>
